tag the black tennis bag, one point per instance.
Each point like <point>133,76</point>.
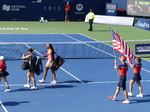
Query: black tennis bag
<point>25,65</point>
<point>58,61</point>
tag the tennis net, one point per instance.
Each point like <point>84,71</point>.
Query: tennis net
<point>68,50</point>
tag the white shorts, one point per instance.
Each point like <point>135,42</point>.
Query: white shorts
<point>49,63</point>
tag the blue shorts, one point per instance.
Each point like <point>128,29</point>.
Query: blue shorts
<point>136,77</point>
<point>67,13</point>
<point>122,82</point>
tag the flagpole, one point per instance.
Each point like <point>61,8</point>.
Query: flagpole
<point>115,61</point>
<point>123,48</point>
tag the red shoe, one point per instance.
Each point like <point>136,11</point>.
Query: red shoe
<point>112,98</point>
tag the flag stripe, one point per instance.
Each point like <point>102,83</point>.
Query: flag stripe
<point>120,46</point>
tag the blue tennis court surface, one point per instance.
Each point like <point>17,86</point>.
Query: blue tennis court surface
<point>83,84</point>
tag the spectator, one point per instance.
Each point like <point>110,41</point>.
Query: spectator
<point>67,11</point>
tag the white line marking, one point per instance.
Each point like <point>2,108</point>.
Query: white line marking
<point>71,37</point>
<point>61,83</point>
<point>13,28</point>
<point>3,107</point>
<point>71,74</point>
<point>60,67</point>
<point>146,70</point>
<point>89,45</point>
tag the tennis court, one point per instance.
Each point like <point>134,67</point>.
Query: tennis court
<point>85,80</point>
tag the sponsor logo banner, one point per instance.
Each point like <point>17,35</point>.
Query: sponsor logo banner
<point>112,20</point>
<point>142,48</point>
<point>6,7</point>
<point>79,9</point>
<point>143,24</point>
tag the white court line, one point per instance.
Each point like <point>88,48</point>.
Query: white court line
<point>44,84</point>
<point>60,67</point>
<point>89,45</point>
<point>3,107</point>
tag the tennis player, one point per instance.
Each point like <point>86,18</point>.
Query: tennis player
<point>4,73</point>
<point>136,77</point>
<point>32,60</point>
<point>50,56</point>
<point>123,68</point>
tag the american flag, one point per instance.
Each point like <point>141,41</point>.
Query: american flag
<point>120,45</point>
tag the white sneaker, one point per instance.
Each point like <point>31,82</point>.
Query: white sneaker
<point>42,81</point>
<point>53,82</point>
<point>34,87</point>
<point>7,90</point>
<point>130,94</point>
<point>139,95</point>
<point>126,101</point>
<point>27,85</point>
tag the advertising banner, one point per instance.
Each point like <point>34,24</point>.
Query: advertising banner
<point>142,48</point>
<point>112,20</point>
<point>52,10</point>
<point>143,24</point>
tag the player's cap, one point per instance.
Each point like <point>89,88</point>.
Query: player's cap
<point>138,59</point>
<point>123,58</point>
<point>2,58</point>
<point>90,9</point>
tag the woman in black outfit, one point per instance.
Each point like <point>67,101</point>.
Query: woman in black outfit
<point>30,75</point>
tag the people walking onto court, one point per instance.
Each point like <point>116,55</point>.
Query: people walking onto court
<point>4,73</point>
<point>67,12</point>
<point>50,56</point>
<point>91,17</point>
<point>30,75</point>
<point>136,77</point>
<point>123,68</point>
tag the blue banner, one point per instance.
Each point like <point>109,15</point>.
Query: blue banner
<point>142,48</point>
<point>111,9</point>
<point>143,24</point>
<point>52,10</point>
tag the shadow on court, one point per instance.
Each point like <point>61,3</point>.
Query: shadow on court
<point>146,96</point>
<point>75,81</point>
<point>43,87</point>
<point>58,86</point>
<point>101,31</point>
<point>24,89</point>
<point>14,103</point>
<point>140,101</point>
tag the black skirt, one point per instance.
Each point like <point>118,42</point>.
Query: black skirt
<point>3,73</point>
<point>32,68</point>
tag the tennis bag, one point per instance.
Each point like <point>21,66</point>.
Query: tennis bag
<point>38,66</point>
<point>58,61</point>
<point>25,65</point>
